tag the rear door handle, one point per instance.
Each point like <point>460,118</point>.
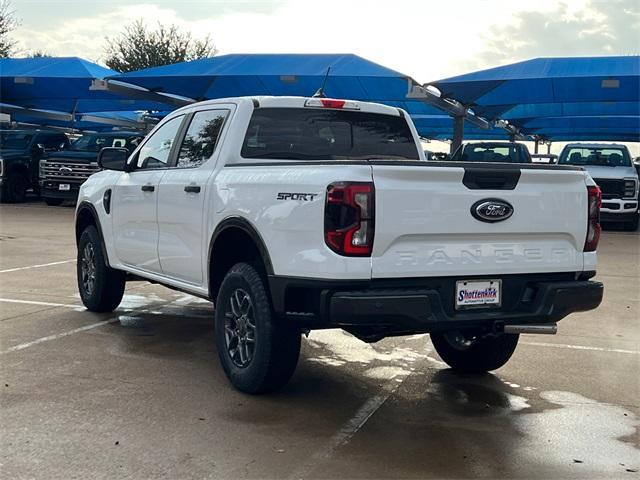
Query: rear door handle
<point>147,188</point>
<point>192,189</point>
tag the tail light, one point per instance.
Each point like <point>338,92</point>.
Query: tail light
<point>593,218</point>
<point>332,103</point>
<point>349,218</point>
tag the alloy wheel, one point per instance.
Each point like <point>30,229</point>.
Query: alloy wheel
<point>88,269</point>
<point>240,328</point>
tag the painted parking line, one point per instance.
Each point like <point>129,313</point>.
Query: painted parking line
<point>37,266</point>
<point>349,428</point>
<point>49,338</point>
<point>582,347</point>
<point>44,304</point>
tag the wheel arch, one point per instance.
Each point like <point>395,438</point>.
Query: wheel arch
<point>86,215</point>
<point>234,240</point>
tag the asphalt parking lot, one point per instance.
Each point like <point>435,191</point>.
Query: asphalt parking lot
<point>139,393</point>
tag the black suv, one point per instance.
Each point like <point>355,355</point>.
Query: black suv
<point>62,173</point>
<point>20,153</point>
<point>502,152</point>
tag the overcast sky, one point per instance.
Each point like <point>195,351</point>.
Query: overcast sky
<point>425,39</point>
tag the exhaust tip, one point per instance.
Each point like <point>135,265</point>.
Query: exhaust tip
<point>543,328</point>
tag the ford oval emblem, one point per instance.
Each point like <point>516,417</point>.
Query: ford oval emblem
<point>491,210</point>
<point>65,170</point>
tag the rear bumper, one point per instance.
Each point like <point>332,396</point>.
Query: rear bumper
<point>426,305</point>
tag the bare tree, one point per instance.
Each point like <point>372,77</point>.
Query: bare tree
<point>138,47</point>
<point>8,23</point>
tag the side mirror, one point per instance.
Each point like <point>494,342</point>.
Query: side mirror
<point>113,158</point>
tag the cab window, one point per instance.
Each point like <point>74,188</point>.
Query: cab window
<point>201,138</point>
<point>156,150</point>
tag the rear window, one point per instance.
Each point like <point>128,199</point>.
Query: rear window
<point>322,134</point>
<point>493,153</point>
<point>608,157</point>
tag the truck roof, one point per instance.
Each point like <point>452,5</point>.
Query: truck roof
<point>295,102</point>
<point>117,133</point>
<point>595,145</point>
<point>30,130</point>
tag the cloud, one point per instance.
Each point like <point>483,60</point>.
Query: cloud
<point>599,28</point>
<point>427,40</point>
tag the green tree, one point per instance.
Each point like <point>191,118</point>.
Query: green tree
<point>8,23</point>
<point>138,47</point>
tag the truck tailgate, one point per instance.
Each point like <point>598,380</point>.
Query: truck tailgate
<point>424,225</point>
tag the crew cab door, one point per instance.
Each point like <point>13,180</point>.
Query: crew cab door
<point>135,200</point>
<point>182,197</point>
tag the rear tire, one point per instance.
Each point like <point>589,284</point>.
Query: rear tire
<point>101,287</point>
<point>468,354</point>
<point>14,189</point>
<point>257,353</point>
<point>53,202</point>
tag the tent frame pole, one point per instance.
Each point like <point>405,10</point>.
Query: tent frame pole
<point>458,133</point>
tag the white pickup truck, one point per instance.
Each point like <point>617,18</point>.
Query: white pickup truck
<point>611,168</point>
<point>293,214</point>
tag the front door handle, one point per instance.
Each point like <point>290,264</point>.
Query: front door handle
<point>147,188</point>
<point>192,189</point>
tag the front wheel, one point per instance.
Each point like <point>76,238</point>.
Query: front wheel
<point>257,353</point>
<point>15,188</point>
<point>469,353</point>
<point>632,226</point>
<point>101,287</point>
<point>53,202</point>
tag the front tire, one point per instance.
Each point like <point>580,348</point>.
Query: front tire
<point>474,354</point>
<point>15,188</point>
<point>632,226</point>
<point>101,287</point>
<point>257,353</point>
<point>53,202</point>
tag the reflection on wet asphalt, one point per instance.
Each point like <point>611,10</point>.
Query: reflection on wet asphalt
<point>484,425</point>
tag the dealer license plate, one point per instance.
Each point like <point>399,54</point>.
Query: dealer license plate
<point>478,293</point>
<point>64,186</point>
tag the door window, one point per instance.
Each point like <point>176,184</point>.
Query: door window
<point>156,150</point>
<point>200,140</point>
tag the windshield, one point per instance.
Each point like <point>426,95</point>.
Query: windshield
<point>15,140</point>
<point>604,156</point>
<point>95,143</point>
<point>319,134</point>
<point>486,152</point>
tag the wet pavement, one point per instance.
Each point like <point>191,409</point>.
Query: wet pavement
<point>139,393</point>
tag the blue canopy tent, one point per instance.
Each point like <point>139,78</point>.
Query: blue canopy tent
<point>62,85</point>
<point>546,80</point>
<point>615,128</point>
<point>347,76</point>
<point>597,87</point>
<point>440,127</point>
<point>340,76</point>
<point>93,121</point>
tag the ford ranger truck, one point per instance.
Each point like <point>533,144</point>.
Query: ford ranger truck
<point>293,214</point>
<point>611,168</point>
